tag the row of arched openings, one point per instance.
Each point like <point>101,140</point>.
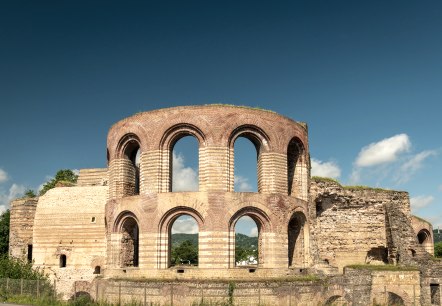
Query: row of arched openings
<point>183,235</point>
<point>184,163</point>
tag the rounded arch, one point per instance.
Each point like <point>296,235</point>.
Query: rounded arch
<point>164,230</point>
<point>178,131</point>
<point>171,215</point>
<point>298,240</point>
<point>261,142</point>
<point>423,236</point>
<point>336,300</point>
<point>129,149</point>
<point>394,299</point>
<point>120,219</point>
<point>256,135</point>
<point>167,143</point>
<point>296,167</point>
<point>263,224</point>
<point>128,146</point>
<point>259,216</point>
<point>129,242</point>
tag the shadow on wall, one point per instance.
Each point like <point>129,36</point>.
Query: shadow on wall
<point>377,255</point>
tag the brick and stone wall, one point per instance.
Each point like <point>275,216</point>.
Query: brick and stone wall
<point>70,221</point>
<point>349,224</point>
<point>118,220</point>
<point>21,227</point>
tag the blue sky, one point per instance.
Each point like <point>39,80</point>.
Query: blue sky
<point>366,76</point>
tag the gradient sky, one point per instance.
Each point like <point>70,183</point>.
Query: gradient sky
<point>365,75</point>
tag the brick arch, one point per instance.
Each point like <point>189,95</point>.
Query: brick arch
<point>170,137</point>
<point>260,140</point>
<point>298,239</point>
<point>255,134</point>
<point>164,229</point>
<point>127,225</point>
<point>423,236</point>
<point>297,168</point>
<point>117,137</point>
<point>178,131</point>
<point>128,147</point>
<point>127,144</point>
<point>120,219</point>
<point>263,223</point>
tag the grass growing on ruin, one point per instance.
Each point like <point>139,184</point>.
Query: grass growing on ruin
<point>383,267</point>
<point>325,179</point>
<point>362,187</point>
<point>356,187</point>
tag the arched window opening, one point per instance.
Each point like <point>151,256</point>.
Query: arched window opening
<point>132,152</point>
<point>296,240</point>
<point>247,232</point>
<point>295,166</point>
<point>422,236</point>
<point>394,299</point>
<point>246,164</point>
<point>129,243</point>
<point>97,270</point>
<point>336,300</point>
<point>185,164</point>
<point>62,261</point>
<point>184,241</point>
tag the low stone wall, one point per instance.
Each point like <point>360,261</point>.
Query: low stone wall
<point>355,287</point>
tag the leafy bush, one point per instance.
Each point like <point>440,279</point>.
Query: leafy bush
<point>438,249</point>
<point>4,232</point>
<point>64,175</point>
<point>17,268</point>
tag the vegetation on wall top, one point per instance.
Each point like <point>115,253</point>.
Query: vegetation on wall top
<point>65,177</point>
<point>356,187</point>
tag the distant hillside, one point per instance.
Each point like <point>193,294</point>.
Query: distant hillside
<point>245,241</point>
<point>242,240</point>
<point>177,239</point>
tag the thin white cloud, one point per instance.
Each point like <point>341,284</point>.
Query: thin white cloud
<point>254,232</point>
<point>440,188</point>
<point>385,151</point>
<point>242,184</point>
<point>3,176</point>
<point>411,166</point>
<point>186,225</point>
<point>15,191</point>
<point>435,220</point>
<point>419,202</point>
<point>325,169</point>
<point>184,178</point>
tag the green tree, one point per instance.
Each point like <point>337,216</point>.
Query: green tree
<point>30,193</point>
<point>438,249</point>
<point>185,253</point>
<point>62,176</point>
<point>11,267</point>
<point>4,232</point>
